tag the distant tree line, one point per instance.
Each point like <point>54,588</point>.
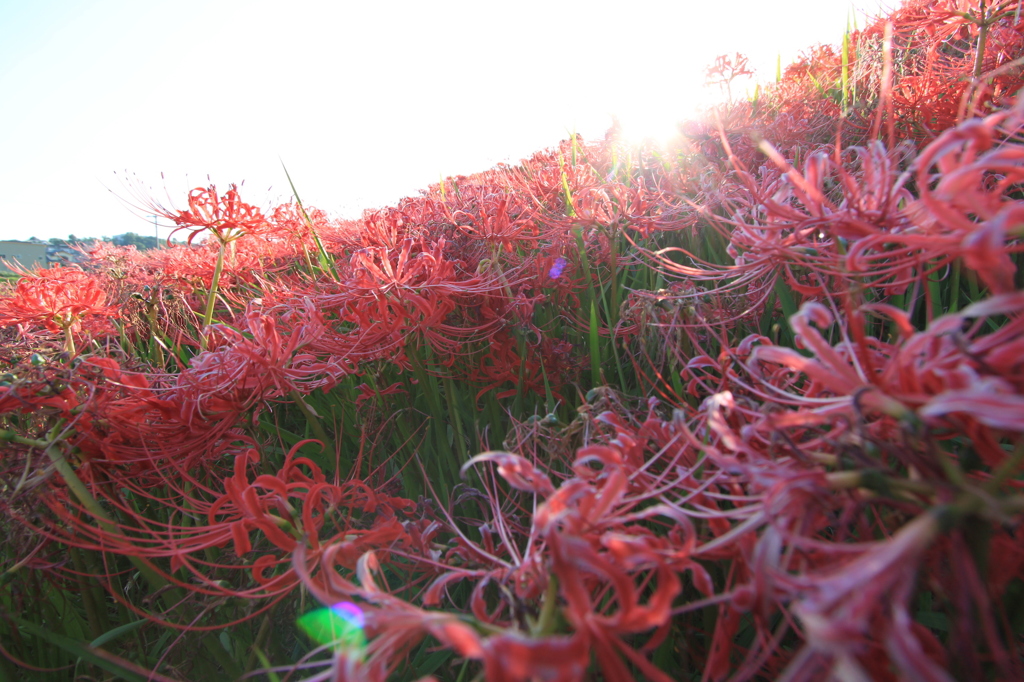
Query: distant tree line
<point>137,240</point>
<point>141,242</point>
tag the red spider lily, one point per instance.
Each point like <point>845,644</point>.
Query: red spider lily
<point>31,387</point>
<point>225,216</point>
<point>301,224</point>
<point>595,518</point>
<point>616,204</point>
<point>550,181</point>
<point>969,196</point>
<point>575,563</point>
<point>492,222</point>
<point>186,269</point>
<point>837,610</point>
<point>30,398</point>
<point>385,228</point>
<point>575,511</point>
<point>514,655</point>
<point>294,508</point>
<point>930,373</point>
<point>790,222</point>
<point>517,471</point>
<point>502,365</point>
<point>238,372</point>
<point>392,626</point>
<point>291,509</point>
<point>414,289</point>
<point>366,392</point>
<point>120,263</point>
<point>511,657</point>
<point>58,299</point>
<point>129,421</point>
<point>725,70</point>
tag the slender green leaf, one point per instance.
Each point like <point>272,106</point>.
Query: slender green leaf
<point>124,669</point>
<point>119,631</point>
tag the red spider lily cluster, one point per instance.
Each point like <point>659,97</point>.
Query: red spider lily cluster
<point>58,299</point>
<point>751,407</point>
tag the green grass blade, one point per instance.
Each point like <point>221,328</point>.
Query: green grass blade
<point>595,348</point>
<point>123,669</point>
<point>789,308</point>
<point>846,69</point>
<point>265,662</point>
<point>117,632</point>
<point>326,262</point>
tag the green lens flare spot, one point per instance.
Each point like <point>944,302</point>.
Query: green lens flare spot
<point>340,625</point>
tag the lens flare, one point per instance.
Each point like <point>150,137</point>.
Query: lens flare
<point>340,625</point>
<point>557,268</point>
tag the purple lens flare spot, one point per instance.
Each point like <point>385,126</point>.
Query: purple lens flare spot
<point>556,270</point>
<point>351,613</point>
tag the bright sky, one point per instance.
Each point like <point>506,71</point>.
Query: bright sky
<point>365,101</point>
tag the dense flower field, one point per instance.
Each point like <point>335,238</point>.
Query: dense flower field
<point>747,407</point>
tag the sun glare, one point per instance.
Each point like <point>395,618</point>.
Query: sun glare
<point>656,120</point>
<point>648,127</point>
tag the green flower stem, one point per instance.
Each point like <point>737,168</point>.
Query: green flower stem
<point>151,316</point>
<point>545,624</point>
<point>438,426</point>
<point>69,340</point>
<point>1007,469</point>
<point>212,295</point>
<point>93,608</point>
<point>983,23</point>
<point>313,420</point>
<point>613,312</point>
<point>873,479</point>
<point>613,265</point>
<point>453,410</point>
<point>261,638</point>
<point>954,289</point>
<point>1013,505</point>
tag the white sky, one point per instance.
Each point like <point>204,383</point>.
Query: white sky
<point>366,101</point>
